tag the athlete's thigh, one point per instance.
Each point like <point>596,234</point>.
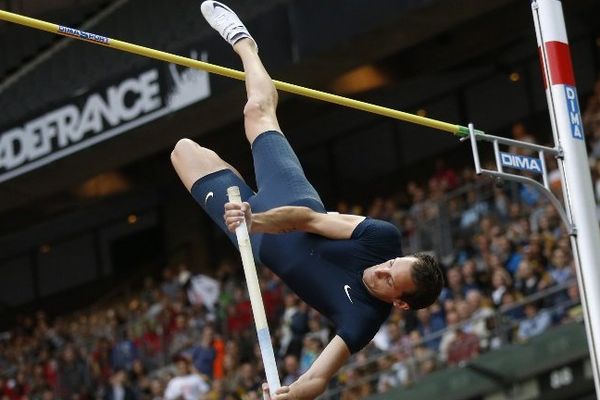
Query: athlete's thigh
<point>210,192</point>
<point>279,175</point>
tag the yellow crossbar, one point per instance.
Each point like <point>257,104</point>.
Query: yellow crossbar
<point>457,130</point>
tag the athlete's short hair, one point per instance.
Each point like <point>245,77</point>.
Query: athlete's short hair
<point>429,280</point>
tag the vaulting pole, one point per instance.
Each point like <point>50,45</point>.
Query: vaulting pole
<point>258,308</point>
<point>457,130</point>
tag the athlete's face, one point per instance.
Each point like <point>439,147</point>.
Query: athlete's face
<point>389,280</point>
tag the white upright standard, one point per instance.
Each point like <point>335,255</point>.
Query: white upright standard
<point>573,163</point>
<point>258,309</point>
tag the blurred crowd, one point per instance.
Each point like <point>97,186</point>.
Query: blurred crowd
<point>191,336</point>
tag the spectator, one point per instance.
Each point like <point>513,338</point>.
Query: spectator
<point>559,268</point>
<point>501,283</point>
<point>201,290</point>
<point>475,210</point>
<point>423,357</point>
<point>529,195</point>
<point>526,279</point>
<point>156,390</point>
<point>310,351</point>
<point>20,388</point>
<point>247,380</point>
<point>376,208</point>
<point>505,249</point>
<point>501,203</point>
<point>389,377</point>
<point>480,313</point>
<point>240,312</point>
<point>455,289</point>
<point>388,337</point>
<point>428,325</point>
<point>411,242</point>
<point>591,121</point>
<point>287,335</point>
<point>188,384</point>
<point>123,353</point>
<point>204,355</point>
<point>37,382</point>
<point>118,388</point>
<point>510,308</point>
<point>272,294</point>
<point>101,359</point>
<point>299,327</point>
<point>170,286</point>
<point>470,276</point>
<point>73,376</point>
<point>449,335</point>
<point>462,249</point>
<point>535,322</point>
<point>317,328</point>
<point>517,232</point>
<point>533,254</point>
<point>151,346</point>
<point>291,370</point>
<point>464,347</point>
<point>446,177</point>
<point>138,379</point>
<point>520,132</point>
<point>574,311</point>
<point>548,228</point>
<point>464,311</point>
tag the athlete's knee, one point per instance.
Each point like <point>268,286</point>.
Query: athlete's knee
<point>188,150</point>
<point>182,149</point>
<point>261,107</point>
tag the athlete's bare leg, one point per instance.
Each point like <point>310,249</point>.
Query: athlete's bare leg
<point>192,161</point>
<point>260,110</point>
<point>259,113</point>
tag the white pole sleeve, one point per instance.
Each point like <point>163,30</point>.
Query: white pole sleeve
<point>258,309</point>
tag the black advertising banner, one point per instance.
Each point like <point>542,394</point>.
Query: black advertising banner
<point>100,114</point>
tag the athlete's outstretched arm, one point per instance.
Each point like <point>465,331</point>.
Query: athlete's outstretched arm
<point>290,219</point>
<point>314,381</point>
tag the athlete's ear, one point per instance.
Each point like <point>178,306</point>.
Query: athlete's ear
<point>401,305</point>
<point>382,273</point>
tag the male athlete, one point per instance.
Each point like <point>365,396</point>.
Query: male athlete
<point>347,267</point>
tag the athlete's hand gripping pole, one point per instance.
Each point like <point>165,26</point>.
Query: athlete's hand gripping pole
<point>258,309</point>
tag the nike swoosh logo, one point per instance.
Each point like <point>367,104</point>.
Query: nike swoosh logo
<point>208,196</point>
<point>346,287</point>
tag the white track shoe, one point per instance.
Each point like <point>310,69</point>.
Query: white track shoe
<point>225,21</point>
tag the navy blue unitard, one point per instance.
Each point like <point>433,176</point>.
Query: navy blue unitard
<point>325,273</point>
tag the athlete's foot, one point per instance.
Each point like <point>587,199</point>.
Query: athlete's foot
<point>226,22</point>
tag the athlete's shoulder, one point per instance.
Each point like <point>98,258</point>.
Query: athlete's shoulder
<point>372,226</point>
<point>358,331</point>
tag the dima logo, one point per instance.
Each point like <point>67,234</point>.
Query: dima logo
<point>573,112</point>
<point>521,162</point>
